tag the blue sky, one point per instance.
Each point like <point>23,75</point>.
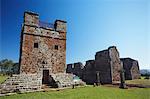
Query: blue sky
<point>92,25</point>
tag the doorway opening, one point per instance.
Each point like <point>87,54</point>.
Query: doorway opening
<point>45,79</point>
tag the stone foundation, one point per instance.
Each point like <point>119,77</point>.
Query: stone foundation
<point>33,82</point>
<point>22,83</point>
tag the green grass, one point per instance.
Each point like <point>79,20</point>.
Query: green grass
<point>88,92</point>
<point>3,78</point>
<point>142,77</point>
<point>139,81</point>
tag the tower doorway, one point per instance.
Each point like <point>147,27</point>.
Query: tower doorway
<point>45,78</point>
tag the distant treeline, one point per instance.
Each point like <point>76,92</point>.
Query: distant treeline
<point>145,72</point>
<point>8,67</point>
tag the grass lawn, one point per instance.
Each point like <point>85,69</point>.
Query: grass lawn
<point>3,78</point>
<point>89,92</point>
<point>139,81</point>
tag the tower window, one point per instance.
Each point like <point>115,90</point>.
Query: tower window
<point>36,45</point>
<point>56,47</point>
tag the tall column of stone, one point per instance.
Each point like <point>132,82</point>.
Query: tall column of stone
<point>122,79</point>
<point>115,63</point>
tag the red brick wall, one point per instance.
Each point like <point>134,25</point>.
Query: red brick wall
<point>46,56</point>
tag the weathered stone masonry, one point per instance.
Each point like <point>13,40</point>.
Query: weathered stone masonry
<point>106,68</point>
<point>131,68</point>
<point>89,72</point>
<point>42,56</point>
<point>108,63</point>
<point>76,69</point>
<point>43,47</point>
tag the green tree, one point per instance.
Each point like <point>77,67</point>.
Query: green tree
<point>16,68</point>
<point>6,66</point>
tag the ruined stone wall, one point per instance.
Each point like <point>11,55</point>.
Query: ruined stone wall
<point>127,66</point>
<point>78,69</point>
<point>135,71</point>
<point>131,68</point>
<point>102,64</point>
<point>106,67</point>
<point>42,47</point>
<point>75,68</point>
<point>108,63</point>
<point>89,72</point>
<point>69,68</point>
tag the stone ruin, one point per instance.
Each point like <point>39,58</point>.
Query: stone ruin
<point>106,67</point>
<point>75,68</point>
<point>42,56</point>
<point>108,64</point>
<point>43,60</point>
<point>89,74</point>
<point>131,68</point>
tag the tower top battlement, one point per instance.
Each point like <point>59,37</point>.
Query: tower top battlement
<point>32,19</point>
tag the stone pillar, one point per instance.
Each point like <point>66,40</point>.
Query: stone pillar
<point>98,77</point>
<point>122,79</point>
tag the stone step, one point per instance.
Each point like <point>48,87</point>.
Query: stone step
<point>64,79</point>
<point>22,83</point>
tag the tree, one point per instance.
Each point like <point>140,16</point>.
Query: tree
<point>6,66</point>
<point>16,68</point>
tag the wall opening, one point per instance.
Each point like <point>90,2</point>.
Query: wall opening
<point>36,45</point>
<point>56,47</point>
<point>45,79</point>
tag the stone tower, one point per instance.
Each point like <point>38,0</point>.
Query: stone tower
<point>42,57</point>
<point>43,46</point>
